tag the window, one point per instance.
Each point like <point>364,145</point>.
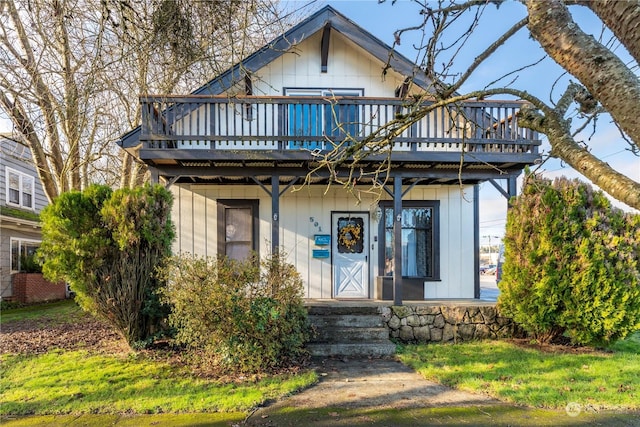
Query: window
<point>20,250</point>
<point>237,228</point>
<point>420,239</point>
<point>317,120</point>
<point>20,189</point>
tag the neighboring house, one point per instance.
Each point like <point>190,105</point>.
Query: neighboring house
<point>21,199</point>
<point>234,151</point>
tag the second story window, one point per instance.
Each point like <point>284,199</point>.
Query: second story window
<point>20,188</point>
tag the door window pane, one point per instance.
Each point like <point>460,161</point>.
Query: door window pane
<point>350,235</point>
<point>238,232</point>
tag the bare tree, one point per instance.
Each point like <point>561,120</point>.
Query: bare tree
<point>601,81</point>
<point>71,72</point>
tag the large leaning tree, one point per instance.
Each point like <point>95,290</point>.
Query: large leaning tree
<point>71,72</point>
<point>469,49</point>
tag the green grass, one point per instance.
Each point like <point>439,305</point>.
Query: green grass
<point>62,382</point>
<point>83,382</point>
<point>528,376</point>
<point>56,312</point>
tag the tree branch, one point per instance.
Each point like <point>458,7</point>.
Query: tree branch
<point>605,76</point>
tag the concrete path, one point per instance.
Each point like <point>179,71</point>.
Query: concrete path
<point>384,392</point>
<point>375,383</point>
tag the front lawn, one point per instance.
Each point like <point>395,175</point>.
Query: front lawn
<point>61,382</point>
<point>551,377</point>
<point>83,375</point>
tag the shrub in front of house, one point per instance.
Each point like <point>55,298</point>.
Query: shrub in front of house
<point>238,316</point>
<point>571,265</point>
<point>107,245</point>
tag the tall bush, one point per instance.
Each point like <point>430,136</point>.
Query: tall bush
<point>107,245</point>
<point>571,264</point>
<point>240,316</point>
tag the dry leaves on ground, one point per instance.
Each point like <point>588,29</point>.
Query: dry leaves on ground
<point>39,336</point>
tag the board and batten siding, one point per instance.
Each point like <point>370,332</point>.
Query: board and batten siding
<point>349,67</point>
<point>307,212</point>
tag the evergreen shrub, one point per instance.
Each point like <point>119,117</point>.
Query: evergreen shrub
<point>238,316</point>
<point>571,265</point>
<point>107,245</point>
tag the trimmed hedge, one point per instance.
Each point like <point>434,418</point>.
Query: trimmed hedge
<point>571,264</point>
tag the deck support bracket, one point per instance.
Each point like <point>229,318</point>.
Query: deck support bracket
<point>324,48</point>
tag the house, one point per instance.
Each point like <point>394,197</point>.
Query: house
<point>241,156</point>
<point>21,199</point>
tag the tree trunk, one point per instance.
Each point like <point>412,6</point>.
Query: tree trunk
<point>623,19</point>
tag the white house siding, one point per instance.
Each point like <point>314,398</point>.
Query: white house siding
<point>348,67</point>
<point>195,217</point>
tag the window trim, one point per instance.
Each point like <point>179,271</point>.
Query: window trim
<point>221,220</point>
<point>21,179</point>
<point>435,206</point>
<point>20,241</point>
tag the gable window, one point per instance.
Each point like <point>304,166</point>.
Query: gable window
<point>237,228</point>
<point>20,189</point>
<point>420,239</point>
<point>20,250</point>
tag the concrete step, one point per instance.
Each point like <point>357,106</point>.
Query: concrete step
<point>346,320</point>
<point>369,349</point>
<point>342,309</point>
<point>350,335</point>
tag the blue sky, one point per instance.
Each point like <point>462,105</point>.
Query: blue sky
<point>382,20</point>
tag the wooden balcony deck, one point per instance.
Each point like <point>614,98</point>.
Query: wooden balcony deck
<point>179,132</point>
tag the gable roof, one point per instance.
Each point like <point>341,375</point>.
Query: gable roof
<point>327,16</point>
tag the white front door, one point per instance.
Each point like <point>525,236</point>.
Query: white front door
<point>350,249</point>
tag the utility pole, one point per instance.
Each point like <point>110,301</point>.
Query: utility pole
<point>490,248</point>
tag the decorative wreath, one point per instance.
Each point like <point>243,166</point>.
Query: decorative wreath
<point>349,235</point>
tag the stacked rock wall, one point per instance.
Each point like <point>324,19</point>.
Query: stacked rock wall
<point>412,324</point>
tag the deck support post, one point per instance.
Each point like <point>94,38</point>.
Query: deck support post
<point>397,240</point>
<point>275,213</point>
<point>512,187</point>
<point>476,241</point>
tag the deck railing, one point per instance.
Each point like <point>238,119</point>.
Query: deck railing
<point>318,123</point>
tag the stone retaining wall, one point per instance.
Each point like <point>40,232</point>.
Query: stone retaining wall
<point>412,324</point>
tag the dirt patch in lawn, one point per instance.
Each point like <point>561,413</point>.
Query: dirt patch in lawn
<point>558,348</point>
<point>41,335</point>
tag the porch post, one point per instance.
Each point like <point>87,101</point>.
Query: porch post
<point>397,240</point>
<point>512,187</point>
<point>275,213</point>
<point>155,175</point>
<point>476,241</point>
